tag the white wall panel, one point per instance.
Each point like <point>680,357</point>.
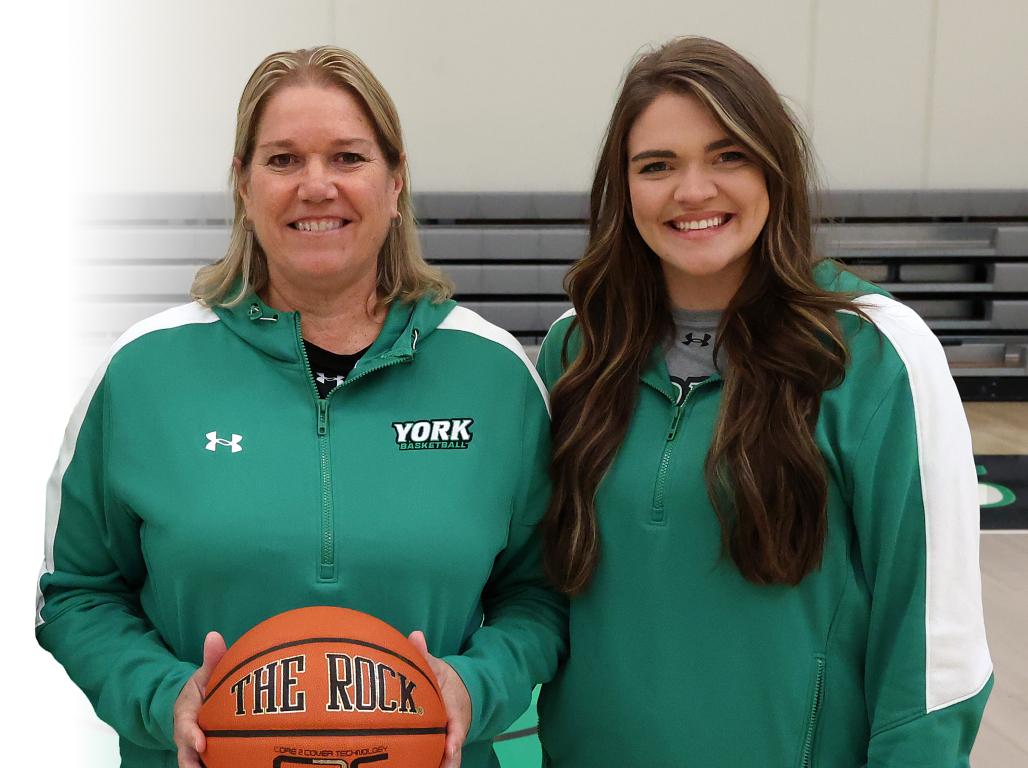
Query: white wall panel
<point>158,84</point>
<point>871,89</point>
<point>979,121</point>
<point>516,96</point>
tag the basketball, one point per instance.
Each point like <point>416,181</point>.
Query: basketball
<point>323,686</point>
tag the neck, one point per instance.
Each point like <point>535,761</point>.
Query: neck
<point>343,319</point>
<point>697,300</point>
<point>704,292</point>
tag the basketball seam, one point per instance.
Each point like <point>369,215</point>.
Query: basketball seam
<point>311,641</point>
<point>243,734</point>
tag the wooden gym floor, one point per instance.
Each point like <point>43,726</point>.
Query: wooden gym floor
<point>1002,428</point>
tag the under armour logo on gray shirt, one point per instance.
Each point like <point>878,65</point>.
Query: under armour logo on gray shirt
<point>690,352</point>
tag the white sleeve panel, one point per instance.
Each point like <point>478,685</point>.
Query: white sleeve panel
<point>186,314</point>
<point>958,664</point>
<point>569,313</point>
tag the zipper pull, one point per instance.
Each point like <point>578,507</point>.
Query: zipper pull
<point>674,421</point>
<point>322,417</point>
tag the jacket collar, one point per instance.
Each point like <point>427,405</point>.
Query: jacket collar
<point>279,334</point>
<point>827,274</point>
<point>656,375</point>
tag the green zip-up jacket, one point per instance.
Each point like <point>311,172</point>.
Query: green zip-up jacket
<point>877,659</point>
<point>203,486</point>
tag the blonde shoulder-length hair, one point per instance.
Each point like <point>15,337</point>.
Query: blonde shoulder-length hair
<point>403,272</point>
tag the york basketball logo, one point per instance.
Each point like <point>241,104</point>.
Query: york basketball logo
<point>433,434</point>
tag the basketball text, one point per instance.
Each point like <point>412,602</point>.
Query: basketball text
<point>272,688</point>
<point>354,683</point>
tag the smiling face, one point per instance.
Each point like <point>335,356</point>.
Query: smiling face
<point>698,199</point>
<point>319,191</point>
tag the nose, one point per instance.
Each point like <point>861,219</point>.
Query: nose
<point>695,186</point>
<point>316,183</point>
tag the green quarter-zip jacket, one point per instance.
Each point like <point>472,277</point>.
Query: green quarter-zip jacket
<point>878,658</point>
<point>202,485</point>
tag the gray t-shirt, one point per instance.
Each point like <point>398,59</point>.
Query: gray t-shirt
<point>690,353</point>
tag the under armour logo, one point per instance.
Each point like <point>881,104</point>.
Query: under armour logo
<point>690,339</point>
<point>323,379</point>
<point>213,441</point>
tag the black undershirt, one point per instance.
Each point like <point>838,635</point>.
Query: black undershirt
<point>328,368</point>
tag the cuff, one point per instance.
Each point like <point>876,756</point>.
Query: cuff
<point>473,684</point>
<point>162,706</point>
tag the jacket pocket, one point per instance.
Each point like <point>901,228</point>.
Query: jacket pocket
<point>814,712</point>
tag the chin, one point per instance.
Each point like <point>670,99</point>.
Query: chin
<point>709,268</point>
<point>702,268</point>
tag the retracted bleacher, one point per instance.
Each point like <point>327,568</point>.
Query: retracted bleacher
<point>960,258</point>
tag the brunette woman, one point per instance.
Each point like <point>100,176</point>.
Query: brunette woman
<point>765,504</point>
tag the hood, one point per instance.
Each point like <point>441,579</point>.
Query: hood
<point>832,276</point>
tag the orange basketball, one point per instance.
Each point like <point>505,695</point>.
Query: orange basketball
<point>323,686</point>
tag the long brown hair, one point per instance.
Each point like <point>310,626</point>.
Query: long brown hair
<point>765,475</point>
<point>402,271</point>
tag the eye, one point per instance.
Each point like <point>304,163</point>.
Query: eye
<point>658,166</point>
<point>732,156</point>
<point>280,161</point>
<point>350,158</point>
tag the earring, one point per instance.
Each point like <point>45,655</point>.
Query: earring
<point>246,224</point>
<point>398,220</point>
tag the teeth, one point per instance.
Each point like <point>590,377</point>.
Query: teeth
<point>322,225</point>
<point>682,226</point>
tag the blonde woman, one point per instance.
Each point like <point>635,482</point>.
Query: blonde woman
<point>321,426</point>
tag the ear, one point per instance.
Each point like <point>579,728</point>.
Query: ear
<point>242,179</point>
<point>397,183</point>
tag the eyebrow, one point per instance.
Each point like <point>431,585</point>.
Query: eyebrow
<point>289,144</point>
<point>665,154</point>
<point>721,144</point>
<point>651,153</point>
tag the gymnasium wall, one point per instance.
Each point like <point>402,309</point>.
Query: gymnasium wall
<point>514,96</point>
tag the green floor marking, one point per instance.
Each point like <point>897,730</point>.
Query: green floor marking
<point>992,495</point>
<point>521,751</point>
